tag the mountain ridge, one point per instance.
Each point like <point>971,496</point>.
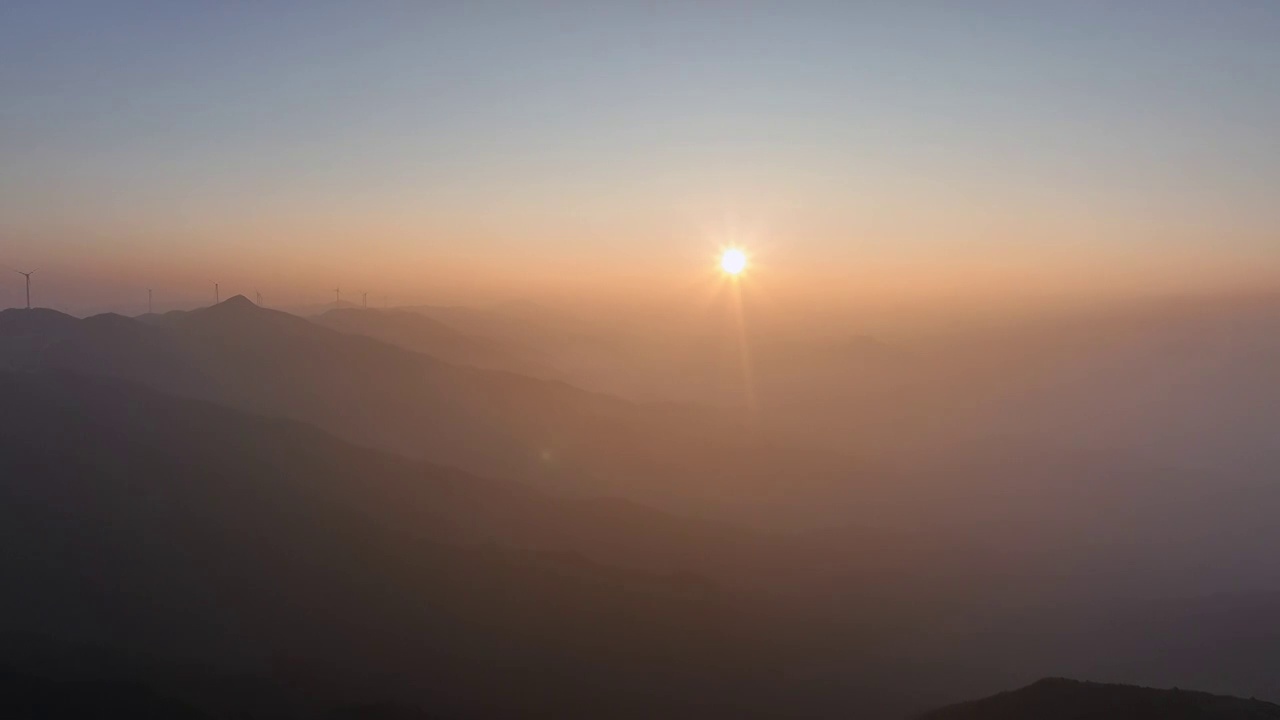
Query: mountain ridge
<point>423,334</point>
<point>491,422</point>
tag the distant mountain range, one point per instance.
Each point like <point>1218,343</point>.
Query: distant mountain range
<point>491,422</point>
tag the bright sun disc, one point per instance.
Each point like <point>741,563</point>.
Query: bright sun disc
<point>733,261</point>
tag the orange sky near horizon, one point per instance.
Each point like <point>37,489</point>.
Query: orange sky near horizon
<point>464,154</point>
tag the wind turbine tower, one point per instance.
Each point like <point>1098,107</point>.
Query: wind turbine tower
<point>337,298</point>
<point>28,276</point>
<point>217,294</point>
<point>258,293</point>
<point>365,297</point>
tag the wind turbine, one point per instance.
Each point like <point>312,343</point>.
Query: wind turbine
<point>365,296</point>
<point>217,294</point>
<point>337,302</point>
<point>28,276</point>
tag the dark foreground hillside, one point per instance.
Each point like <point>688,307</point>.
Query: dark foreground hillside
<point>169,549</point>
<point>1061,699</point>
<point>188,535</point>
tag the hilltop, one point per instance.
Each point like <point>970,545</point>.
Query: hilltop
<point>1063,699</point>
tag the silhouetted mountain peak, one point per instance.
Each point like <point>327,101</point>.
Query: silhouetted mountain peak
<point>239,303</point>
<point>235,309</point>
<point>241,315</point>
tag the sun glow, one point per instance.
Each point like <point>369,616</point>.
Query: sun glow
<point>733,261</point>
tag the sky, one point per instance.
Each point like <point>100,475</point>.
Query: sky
<point>427,150</point>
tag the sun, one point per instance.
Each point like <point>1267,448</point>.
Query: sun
<point>733,261</point>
